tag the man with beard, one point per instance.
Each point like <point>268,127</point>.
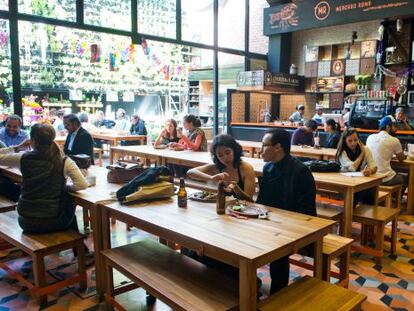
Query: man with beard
<point>383,147</point>
<point>288,184</point>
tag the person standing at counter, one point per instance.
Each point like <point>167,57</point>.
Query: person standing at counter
<point>334,134</point>
<point>288,184</point>
<point>304,135</point>
<point>318,117</point>
<point>401,122</point>
<point>384,146</point>
<point>298,115</point>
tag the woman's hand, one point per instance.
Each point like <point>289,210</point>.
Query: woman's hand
<point>22,146</point>
<point>233,187</point>
<point>220,176</point>
<point>164,132</point>
<point>366,171</point>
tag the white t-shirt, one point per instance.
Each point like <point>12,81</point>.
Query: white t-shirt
<point>383,147</point>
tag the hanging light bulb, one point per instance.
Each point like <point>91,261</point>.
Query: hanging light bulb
<point>399,25</point>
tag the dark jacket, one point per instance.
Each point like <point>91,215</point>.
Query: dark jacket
<point>332,140</point>
<point>83,144</point>
<point>41,189</point>
<point>288,185</point>
<point>138,128</point>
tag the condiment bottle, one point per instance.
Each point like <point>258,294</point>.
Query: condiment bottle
<point>221,199</point>
<point>182,194</point>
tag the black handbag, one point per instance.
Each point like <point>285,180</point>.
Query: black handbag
<point>83,161</point>
<point>323,166</point>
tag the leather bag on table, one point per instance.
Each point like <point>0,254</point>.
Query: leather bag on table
<point>323,166</point>
<point>122,173</point>
<point>83,161</point>
<point>157,190</point>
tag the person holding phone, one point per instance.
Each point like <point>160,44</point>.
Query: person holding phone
<point>168,134</point>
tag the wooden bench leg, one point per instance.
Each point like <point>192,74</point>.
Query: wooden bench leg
<point>39,275</point>
<point>81,265</point>
<point>379,242</point>
<point>344,261</point>
<point>326,268</point>
<point>398,198</point>
<point>388,201</point>
<point>394,236</point>
<point>109,288</point>
<point>85,212</point>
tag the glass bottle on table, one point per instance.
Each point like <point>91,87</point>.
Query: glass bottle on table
<point>182,194</point>
<point>221,199</point>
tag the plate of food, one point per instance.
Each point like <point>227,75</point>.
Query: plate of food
<point>203,196</point>
<point>247,210</point>
<point>160,146</point>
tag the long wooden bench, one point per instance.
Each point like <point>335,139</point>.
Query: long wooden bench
<point>378,217</point>
<point>311,294</point>
<point>334,246</point>
<point>393,191</point>
<point>177,280</point>
<point>37,246</point>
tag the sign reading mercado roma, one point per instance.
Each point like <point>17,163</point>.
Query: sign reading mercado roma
<point>306,14</point>
<point>261,80</point>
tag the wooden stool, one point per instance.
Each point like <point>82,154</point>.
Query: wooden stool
<point>37,246</point>
<point>385,198</point>
<point>311,294</point>
<point>99,152</point>
<point>334,246</point>
<point>378,217</point>
<point>164,273</point>
<point>330,211</point>
<point>394,191</point>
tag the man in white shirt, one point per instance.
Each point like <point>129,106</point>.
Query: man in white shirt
<point>384,146</point>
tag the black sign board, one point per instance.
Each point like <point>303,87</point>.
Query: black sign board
<point>306,14</point>
<point>261,80</point>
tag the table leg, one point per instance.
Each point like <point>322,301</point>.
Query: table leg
<point>111,156</point>
<point>348,212</point>
<point>317,258</point>
<point>95,220</point>
<point>410,197</point>
<point>247,286</point>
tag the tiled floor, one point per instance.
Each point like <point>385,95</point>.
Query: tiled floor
<point>388,287</point>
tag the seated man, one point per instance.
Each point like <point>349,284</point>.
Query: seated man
<point>287,184</point>
<point>304,134</point>
<point>78,141</point>
<point>12,134</point>
<point>383,147</point>
<point>401,123</point>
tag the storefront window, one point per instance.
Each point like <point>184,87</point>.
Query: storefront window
<point>197,21</point>
<point>157,17</point>
<point>229,66</point>
<point>62,9</point>
<point>258,43</point>
<point>4,5</point>
<point>6,92</point>
<point>108,13</point>
<point>231,24</point>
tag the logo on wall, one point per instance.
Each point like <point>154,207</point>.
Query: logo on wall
<point>338,67</point>
<point>322,10</point>
<point>285,18</point>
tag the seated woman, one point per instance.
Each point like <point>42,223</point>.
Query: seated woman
<point>168,134</point>
<point>196,139</point>
<point>238,175</point>
<point>355,157</point>
<point>43,206</point>
<point>332,139</point>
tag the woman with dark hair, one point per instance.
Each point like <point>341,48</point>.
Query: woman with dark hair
<point>196,138</point>
<point>355,157</point>
<point>43,205</point>
<point>332,128</point>
<point>168,134</point>
<point>228,166</point>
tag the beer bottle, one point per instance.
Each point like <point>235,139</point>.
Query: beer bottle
<point>221,199</point>
<point>182,194</point>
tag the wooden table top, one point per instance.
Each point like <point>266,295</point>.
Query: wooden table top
<point>192,158</point>
<point>118,136</point>
<point>252,239</point>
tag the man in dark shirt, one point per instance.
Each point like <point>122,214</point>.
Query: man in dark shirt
<point>287,184</point>
<point>304,134</point>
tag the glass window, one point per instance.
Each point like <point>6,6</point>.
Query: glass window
<point>258,43</point>
<point>62,9</point>
<point>157,17</point>
<point>6,91</point>
<point>4,5</point>
<point>229,66</point>
<point>197,21</point>
<point>108,13</point>
<point>231,24</point>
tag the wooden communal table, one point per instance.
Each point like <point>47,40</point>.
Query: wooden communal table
<point>114,138</point>
<point>408,164</point>
<point>246,244</point>
<point>254,147</point>
<point>86,199</point>
<point>345,185</point>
